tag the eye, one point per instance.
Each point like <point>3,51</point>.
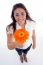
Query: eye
<point>16,14</point>
<point>22,13</point>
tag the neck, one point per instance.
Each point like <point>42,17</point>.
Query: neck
<point>23,26</point>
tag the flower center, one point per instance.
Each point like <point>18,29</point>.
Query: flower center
<point>21,34</point>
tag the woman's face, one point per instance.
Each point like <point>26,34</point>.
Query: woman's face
<point>20,16</point>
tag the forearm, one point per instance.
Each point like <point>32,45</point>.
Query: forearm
<point>34,40</point>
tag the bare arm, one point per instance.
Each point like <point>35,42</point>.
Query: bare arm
<point>10,43</point>
<point>34,39</point>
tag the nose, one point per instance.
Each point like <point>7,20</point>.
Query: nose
<point>20,17</point>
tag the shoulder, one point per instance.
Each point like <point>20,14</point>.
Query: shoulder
<point>31,24</point>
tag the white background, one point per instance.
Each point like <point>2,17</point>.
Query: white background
<point>10,57</point>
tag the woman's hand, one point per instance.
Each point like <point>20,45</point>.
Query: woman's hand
<point>34,46</point>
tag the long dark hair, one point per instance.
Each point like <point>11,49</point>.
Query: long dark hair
<point>19,5</point>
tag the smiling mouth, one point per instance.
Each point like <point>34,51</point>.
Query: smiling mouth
<point>20,20</point>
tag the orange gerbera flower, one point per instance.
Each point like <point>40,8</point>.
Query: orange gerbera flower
<point>21,35</point>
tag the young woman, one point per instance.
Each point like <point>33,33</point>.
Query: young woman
<point>21,19</point>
